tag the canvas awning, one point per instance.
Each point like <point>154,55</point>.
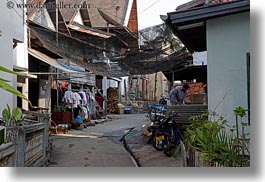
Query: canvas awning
<point>23,72</point>
<point>48,60</point>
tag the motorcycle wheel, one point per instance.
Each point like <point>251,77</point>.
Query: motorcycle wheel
<point>169,142</point>
<point>157,145</point>
<point>166,147</point>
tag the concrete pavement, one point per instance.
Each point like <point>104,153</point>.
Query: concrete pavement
<point>89,152</point>
<point>99,146</point>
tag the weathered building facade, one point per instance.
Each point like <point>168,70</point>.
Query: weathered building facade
<point>222,28</point>
<point>13,51</point>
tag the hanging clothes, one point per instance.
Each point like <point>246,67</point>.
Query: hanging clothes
<point>99,100</point>
<point>69,98</point>
<point>77,100</point>
<point>64,84</point>
<point>83,96</point>
<point>91,109</point>
<point>86,112</point>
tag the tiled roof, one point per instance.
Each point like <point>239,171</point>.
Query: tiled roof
<point>190,5</point>
<point>116,9</point>
<point>33,3</point>
<point>198,3</point>
<point>69,13</point>
<point>220,1</point>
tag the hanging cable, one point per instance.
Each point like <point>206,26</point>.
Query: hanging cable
<point>149,7</point>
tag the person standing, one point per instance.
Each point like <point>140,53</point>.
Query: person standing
<point>178,94</point>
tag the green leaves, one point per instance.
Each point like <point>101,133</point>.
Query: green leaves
<point>15,116</point>
<point>8,71</point>
<point>215,141</point>
<point>6,114</point>
<point>240,111</point>
<point>5,86</point>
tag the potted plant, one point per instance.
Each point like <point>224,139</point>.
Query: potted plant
<point>12,119</point>
<point>8,116</point>
<point>216,141</point>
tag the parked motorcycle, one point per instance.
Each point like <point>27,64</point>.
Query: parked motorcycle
<point>163,100</point>
<point>156,111</point>
<point>158,136</point>
<point>172,138</point>
<point>165,135</point>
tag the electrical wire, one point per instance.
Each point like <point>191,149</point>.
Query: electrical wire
<point>62,33</point>
<point>149,7</point>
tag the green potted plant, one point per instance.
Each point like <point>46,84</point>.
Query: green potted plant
<point>9,117</point>
<point>12,119</point>
<point>216,141</point>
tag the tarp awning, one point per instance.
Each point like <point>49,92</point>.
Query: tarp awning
<point>50,61</point>
<point>23,72</point>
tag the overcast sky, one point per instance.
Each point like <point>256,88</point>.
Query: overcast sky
<point>149,11</point>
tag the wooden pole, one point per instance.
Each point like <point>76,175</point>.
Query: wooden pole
<point>57,19</point>
<point>125,89</point>
<point>155,86</point>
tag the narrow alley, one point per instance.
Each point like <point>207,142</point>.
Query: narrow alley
<point>100,146</point>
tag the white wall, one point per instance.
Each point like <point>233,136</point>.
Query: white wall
<point>11,25</point>
<point>227,44</point>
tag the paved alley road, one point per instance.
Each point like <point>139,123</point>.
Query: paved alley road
<point>96,146</point>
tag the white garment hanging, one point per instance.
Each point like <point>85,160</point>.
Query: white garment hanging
<point>77,99</point>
